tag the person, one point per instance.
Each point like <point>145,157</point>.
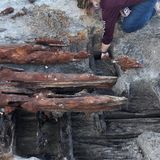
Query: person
<point>136,14</point>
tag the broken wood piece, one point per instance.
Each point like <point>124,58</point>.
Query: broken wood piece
<point>24,48</point>
<point>50,94</point>
<point>75,104</point>
<point>50,42</point>
<point>56,80</point>
<point>12,68</point>
<point>126,63</point>
<point>7,11</point>
<point>6,99</point>
<point>30,54</point>
<point>12,88</point>
<point>9,109</point>
<point>20,13</point>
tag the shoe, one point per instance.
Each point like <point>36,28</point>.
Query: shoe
<point>157,7</point>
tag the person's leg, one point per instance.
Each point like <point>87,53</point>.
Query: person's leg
<point>139,16</point>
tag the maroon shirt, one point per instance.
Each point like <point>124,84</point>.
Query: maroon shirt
<point>110,14</point>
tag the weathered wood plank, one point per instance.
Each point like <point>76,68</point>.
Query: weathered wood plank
<point>66,142</point>
<point>12,88</point>
<point>52,140</point>
<point>106,149</point>
<point>43,80</point>
<point>129,115</point>
<point>74,104</point>
<point>30,54</point>
<point>7,11</point>
<point>11,98</point>
<point>50,42</point>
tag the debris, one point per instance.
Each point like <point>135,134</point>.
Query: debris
<point>50,42</point>
<point>20,13</point>
<point>7,11</point>
<point>127,63</point>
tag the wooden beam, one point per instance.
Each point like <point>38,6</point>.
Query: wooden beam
<point>30,54</point>
<point>74,104</point>
<point>127,63</point>
<point>89,103</point>
<point>6,99</point>
<point>56,80</point>
<point>7,11</point>
<point>50,42</point>
<point>12,88</point>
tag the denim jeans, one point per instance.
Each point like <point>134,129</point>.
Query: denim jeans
<point>139,16</point>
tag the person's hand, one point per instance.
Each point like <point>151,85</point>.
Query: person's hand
<point>104,47</point>
<point>105,56</point>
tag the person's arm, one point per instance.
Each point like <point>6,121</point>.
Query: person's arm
<point>110,14</point>
<point>105,4</point>
<point>104,47</point>
<point>128,3</point>
<point>110,18</point>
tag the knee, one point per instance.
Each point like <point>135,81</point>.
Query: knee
<point>128,28</point>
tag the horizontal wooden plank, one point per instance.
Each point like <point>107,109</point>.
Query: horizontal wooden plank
<point>43,80</point>
<point>34,54</point>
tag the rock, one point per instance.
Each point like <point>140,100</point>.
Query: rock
<point>7,11</point>
<point>20,158</point>
<point>149,142</point>
<point>31,1</point>
<point>2,29</point>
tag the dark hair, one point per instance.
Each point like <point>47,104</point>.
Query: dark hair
<point>85,4</point>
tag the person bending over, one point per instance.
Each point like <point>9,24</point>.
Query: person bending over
<point>136,14</point>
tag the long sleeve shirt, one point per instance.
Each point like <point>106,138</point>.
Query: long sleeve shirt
<point>110,15</point>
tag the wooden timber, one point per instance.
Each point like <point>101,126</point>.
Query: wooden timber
<point>51,80</point>
<point>49,42</point>
<point>74,104</point>
<point>35,54</point>
<point>11,98</point>
<point>7,11</point>
<point>127,63</point>
<point>89,103</point>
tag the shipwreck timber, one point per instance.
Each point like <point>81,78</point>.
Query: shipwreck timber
<point>35,92</point>
<point>35,54</point>
<point>42,80</point>
<point>14,83</point>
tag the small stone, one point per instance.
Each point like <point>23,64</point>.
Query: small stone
<point>31,1</point>
<point>3,29</point>
<point>46,67</point>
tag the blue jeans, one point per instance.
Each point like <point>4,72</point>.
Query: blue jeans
<point>139,16</point>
